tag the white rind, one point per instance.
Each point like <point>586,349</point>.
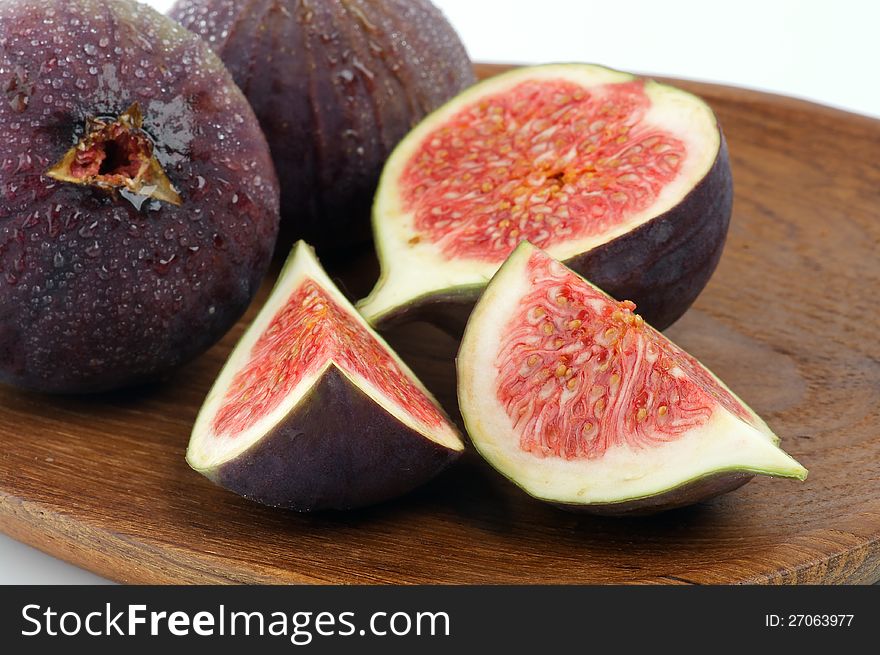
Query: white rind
<point>413,270</point>
<point>208,450</point>
<point>725,443</point>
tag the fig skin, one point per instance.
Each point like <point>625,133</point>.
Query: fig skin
<point>336,450</point>
<point>95,292</point>
<point>335,86</point>
<point>662,265</point>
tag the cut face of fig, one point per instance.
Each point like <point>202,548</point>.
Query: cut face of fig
<point>577,400</point>
<point>625,179</point>
<point>313,410</point>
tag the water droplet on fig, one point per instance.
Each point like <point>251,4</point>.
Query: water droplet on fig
<point>87,231</point>
<point>164,265</point>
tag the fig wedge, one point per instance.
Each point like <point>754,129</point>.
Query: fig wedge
<point>577,400</point>
<point>313,410</point>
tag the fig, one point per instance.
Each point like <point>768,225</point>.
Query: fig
<point>138,199</point>
<point>335,84</point>
<point>313,410</point>
<point>581,403</point>
<point>625,179</point>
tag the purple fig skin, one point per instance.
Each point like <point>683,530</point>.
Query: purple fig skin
<point>335,85</point>
<point>336,450</point>
<point>662,265</point>
<point>697,491</point>
<point>98,291</point>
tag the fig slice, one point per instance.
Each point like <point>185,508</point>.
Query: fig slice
<point>577,400</point>
<point>313,410</point>
<point>625,179</point>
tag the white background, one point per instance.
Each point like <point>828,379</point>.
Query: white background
<point>823,51</point>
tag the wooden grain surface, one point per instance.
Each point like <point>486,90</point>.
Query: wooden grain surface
<point>789,320</point>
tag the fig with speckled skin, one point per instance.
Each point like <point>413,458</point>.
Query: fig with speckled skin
<point>335,84</point>
<point>138,200</point>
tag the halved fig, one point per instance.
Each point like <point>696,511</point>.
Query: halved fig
<point>313,410</point>
<point>581,403</point>
<point>625,179</point>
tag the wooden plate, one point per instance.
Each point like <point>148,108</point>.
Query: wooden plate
<point>789,320</point>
